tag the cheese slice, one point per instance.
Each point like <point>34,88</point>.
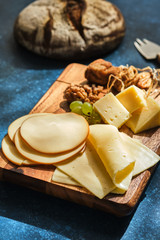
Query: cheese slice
<point>42,158</point>
<point>10,151</point>
<point>146,117</point>
<point>144,157</point>
<point>29,163</point>
<point>118,191</point>
<point>88,170</point>
<point>18,122</point>
<point>61,177</point>
<point>132,98</point>
<point>111,110</point>
<point>55,133</point>
<point>112,151</point>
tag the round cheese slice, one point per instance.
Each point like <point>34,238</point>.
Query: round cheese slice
<point>10,151</point>
<point>55,133</point>
<point>42,158</point>
<point>17,123</point>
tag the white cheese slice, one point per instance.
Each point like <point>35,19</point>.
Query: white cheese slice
<point>112,151</point>
<point>111,110</point>
<point>18,122</point>
<point>61,177</point>
<point>144,157</point>
<point>10,151</point>
<point>29,163</point>
<point>88,170</point>
<point>42,158</point>
<point>55,133</point>
<point>118,191</point>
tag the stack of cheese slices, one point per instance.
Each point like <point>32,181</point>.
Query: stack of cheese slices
<point>45,138</point>
<point>98,158</point>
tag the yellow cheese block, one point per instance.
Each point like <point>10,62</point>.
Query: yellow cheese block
<point>88,170</point>
<point>144,157</point>
<point>111,110</point>
<point>112,151</point>
<point>145,117</point>
<point>132,98</point>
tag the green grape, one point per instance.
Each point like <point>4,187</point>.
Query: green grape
<point>77,109</point>
<point>87,109</point>
<point>96,118</point>
<point>75,104</point>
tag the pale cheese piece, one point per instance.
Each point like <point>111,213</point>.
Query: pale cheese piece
<point>55,133</point>
<point>29,163</point>
<point>10,151</point>
<point>144,157</point>
<point>42,158</point>
<point>88,170</point>
<point>18,122</point>
<point>132,98</point>
<point>111,110</point>
<point>145,118</point>
<point>61,177</point>
<point>112,151</point>
<point>118,191</point>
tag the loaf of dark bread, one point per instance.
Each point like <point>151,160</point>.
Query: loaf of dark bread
<point>70,29</point>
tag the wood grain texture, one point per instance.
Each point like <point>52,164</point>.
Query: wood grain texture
<point>39,177</point>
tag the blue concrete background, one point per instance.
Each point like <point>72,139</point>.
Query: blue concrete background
<point>24,78</point>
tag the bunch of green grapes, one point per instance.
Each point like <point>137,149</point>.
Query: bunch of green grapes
<point>86,110</point>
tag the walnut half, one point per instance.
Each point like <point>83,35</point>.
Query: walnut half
<point>84,93</point>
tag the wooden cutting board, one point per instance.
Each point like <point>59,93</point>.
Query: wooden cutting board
<point>39,177</point>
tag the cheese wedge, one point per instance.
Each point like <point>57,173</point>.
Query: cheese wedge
<point>55,133</point>
<point>146,117</point>
<point>113,153</point>
<point>132,98</point>
<point>42,158</point>
<point>18,122</point>
<point>59,176</point>
<point>144,157</point>
<point>10,151</point>
<point>88,170</point>
<point>111,110</point>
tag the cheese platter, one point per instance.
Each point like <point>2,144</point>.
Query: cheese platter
<point>39,177</point>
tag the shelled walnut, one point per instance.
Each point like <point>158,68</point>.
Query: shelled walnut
<point>84,93</point>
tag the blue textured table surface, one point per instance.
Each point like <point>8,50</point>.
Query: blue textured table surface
<point>24,78</point>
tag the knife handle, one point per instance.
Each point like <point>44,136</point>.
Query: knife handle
<point>158,58</point>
